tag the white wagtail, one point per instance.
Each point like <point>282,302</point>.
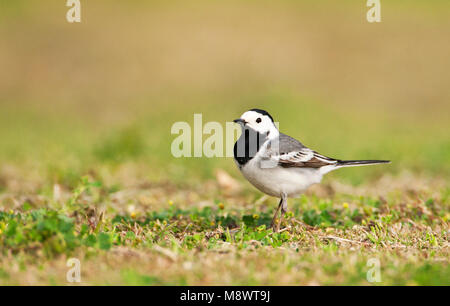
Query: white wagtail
<point>278,164</point>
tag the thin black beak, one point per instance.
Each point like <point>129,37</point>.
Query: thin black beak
<point>240,121</point>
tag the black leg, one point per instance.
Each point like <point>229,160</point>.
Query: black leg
<point>274,219</point>
<point>283,208</point>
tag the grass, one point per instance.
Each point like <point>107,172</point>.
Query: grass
<point>85,164</point>
<point>143,238</point>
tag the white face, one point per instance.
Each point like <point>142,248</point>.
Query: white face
<point>259,122</point>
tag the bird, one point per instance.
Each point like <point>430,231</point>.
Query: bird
<point>279,165</point>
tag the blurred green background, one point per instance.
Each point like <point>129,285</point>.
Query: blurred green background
<point>100,97</point>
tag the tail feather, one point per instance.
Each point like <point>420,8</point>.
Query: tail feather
<point>349,163</point>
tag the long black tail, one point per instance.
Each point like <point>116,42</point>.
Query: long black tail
<point>349,163</point>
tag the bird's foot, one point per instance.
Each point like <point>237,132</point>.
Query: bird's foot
<point>275,225</point>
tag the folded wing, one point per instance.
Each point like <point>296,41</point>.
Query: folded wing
<point>289,152</point>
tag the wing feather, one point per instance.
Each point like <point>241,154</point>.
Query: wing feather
<point>292,153</point>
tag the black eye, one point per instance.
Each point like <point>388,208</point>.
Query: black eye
<point>258,120</point>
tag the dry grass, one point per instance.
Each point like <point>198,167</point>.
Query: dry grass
<point>181,236</point>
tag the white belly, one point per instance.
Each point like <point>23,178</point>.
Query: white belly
<point>278,180</point>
